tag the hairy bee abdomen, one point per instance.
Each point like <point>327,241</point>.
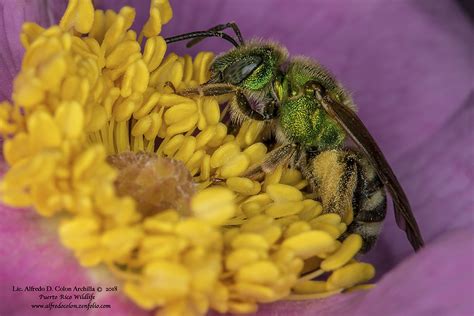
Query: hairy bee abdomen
<point>349,186</point>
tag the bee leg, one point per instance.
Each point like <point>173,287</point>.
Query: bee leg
<point>242,109</point>
<point>349,186</point>
<point>215,180</point>
<point>209,89</point>
<point>170,85</point>
<point>239,103</point>
<point>301,161</point>
<point>276,157</point>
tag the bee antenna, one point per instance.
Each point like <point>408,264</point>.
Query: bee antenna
<point>201,34</point>
<point>220,27</point>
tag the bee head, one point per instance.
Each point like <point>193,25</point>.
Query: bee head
<point>253,66</point>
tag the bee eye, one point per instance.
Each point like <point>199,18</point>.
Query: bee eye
<point>247,69</point>
<point>241,69</point>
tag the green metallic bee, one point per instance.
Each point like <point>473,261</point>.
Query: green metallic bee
<point>311,116</point>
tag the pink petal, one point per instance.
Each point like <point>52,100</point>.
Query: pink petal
<point>438,177</point>
<point>30,255</point>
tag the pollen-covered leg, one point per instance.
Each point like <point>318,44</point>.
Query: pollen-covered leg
<point>211,89</point>
<point>349,186</point>
<point>276,157</point>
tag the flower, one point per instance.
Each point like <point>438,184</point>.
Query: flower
<point>439,156</point>
<point>91,121</point>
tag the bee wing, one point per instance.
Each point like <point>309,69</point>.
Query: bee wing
<point>361,136</point>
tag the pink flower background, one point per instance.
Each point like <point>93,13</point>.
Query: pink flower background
<point>410,68</point>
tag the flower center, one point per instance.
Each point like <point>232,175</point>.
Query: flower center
<point>156,184</point>
<point>93,118</point>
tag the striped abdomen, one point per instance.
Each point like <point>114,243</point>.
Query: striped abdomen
<point>369,204</point>
<point>348,185</point>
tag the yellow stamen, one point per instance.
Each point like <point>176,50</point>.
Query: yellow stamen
<point>350,275</point>
<point>214,205</point>
<point>79,15</point>
<point>283,193</point>
<point>310,243</point>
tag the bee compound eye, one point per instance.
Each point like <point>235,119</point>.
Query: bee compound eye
<point>241,69</point>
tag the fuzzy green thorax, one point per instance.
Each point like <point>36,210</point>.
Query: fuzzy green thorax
<point>304,122</point>
<point>302,119</point>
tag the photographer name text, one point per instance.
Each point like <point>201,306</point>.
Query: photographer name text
<point>57,288</point>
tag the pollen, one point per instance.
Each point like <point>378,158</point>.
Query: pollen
<point>151,184</point>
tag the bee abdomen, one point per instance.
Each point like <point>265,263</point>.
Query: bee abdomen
<point>349,186</point>
<point>370,205</point>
